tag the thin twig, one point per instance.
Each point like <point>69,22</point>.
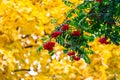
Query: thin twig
<point>66,18</point>
<point>21,70</point>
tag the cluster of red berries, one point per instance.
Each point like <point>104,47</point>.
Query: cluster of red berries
<point>56,34</point>
<point>103,40</point>
<point>90,22</point>
<point>77,58</point>
<point>76,33</point>
<point>49,46</point>
<point>65,27</point>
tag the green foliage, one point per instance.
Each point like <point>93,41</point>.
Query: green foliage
<point>102,18</point>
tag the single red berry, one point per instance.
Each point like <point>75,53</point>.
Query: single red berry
<point>98,17</point>
<point>56,34</point>
<point>69,45</point>
<point>65,27</point>
<point>76,33</point>
<point>76,58</point>
<point>92,10</point>
<point>49,46</point>
<point>71,53</point>
<point>91,22</point>
<point>100,1</point>
<point>92,16</point>
<point>103,41</point>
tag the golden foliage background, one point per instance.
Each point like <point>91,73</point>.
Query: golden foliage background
<point>22,25</point>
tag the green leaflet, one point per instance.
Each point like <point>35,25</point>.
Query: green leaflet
<point>86,58</point>
<point>68,3</point>
<point>40,48</point>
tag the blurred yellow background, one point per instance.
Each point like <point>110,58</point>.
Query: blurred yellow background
<point>22,25</point>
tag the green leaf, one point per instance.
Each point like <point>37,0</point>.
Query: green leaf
<point>69,13</point>
<point>65,51</point>
<point>74,22</point>
<point>90,52</point>
<point>71,58</point>
<point>53,20</point>
<point>81,21</point>
<point>89,38</point>
<point>51,53</point>
<point>83,5</point>
<point>86,58</point>
<point>60,40</point>
<point>68,3</point>
<point>39,49</point>
<point>44,38</point>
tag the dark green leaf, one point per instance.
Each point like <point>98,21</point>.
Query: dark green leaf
<point>89,38</point>
<point>86,58</point>
<point>65,51</point>
<point>44,38</point>
<point>60,40</point>
<point>69,13</point>
<point>40,48</point>
<point>71,58</point>
<point>51,53</point>
<point>68,3</point>
<point>90,52</point>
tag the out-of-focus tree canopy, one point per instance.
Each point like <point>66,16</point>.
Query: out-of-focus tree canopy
<point>24,23</point>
